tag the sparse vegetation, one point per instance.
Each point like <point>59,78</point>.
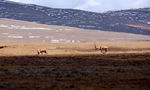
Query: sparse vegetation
<point>75,66</point>
<point>129,71</point>
<point>87,48</point>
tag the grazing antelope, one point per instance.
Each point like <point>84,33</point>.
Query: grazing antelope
<point>103,49</point>
<point>41,51</point>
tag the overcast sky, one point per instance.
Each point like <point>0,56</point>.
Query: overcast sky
<point>91,5</point>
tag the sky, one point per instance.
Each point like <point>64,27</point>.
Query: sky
<point>90,5</point>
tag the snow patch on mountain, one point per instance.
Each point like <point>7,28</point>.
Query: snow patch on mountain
<point>148,22</point>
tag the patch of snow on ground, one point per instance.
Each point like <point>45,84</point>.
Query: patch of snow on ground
<point>3,26</point>
<point>68,29</point>
<point>13,27</point>
<point>64,40</point>
<point>34,36</point>
<point>54,41</point>
<point>19,37</point>
<point>23,27</point>
<point>73,41</point>
<point>34,28</point>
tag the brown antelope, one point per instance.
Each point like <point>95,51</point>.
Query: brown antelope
<point>103,49</point>
<point>41,51</point>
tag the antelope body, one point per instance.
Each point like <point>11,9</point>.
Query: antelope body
<point>103,49</point>
<point>41,51</point>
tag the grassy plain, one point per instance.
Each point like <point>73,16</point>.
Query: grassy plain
<point>75,66</point>
<point>87,48</point>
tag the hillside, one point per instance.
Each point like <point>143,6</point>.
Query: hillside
<point>136,21</point>
<point>23,31</point>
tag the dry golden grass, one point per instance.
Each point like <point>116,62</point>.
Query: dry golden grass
<point>87,48</point>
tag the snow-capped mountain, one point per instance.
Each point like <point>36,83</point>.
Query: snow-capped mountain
<point>135,21</point>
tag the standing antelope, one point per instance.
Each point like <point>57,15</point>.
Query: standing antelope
<point>103,49</point>
<point>41,51</point>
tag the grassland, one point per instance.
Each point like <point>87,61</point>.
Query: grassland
<point>87,48</point>
<point>75,66</point>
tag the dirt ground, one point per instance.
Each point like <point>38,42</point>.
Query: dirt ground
<point>74,66</point>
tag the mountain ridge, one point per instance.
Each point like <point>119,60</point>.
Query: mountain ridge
<point>114,21</point>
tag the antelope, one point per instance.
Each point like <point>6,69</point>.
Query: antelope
<point>41,51</point>
<point>103,49</point>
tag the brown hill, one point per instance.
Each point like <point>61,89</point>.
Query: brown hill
<point>22,31</point>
